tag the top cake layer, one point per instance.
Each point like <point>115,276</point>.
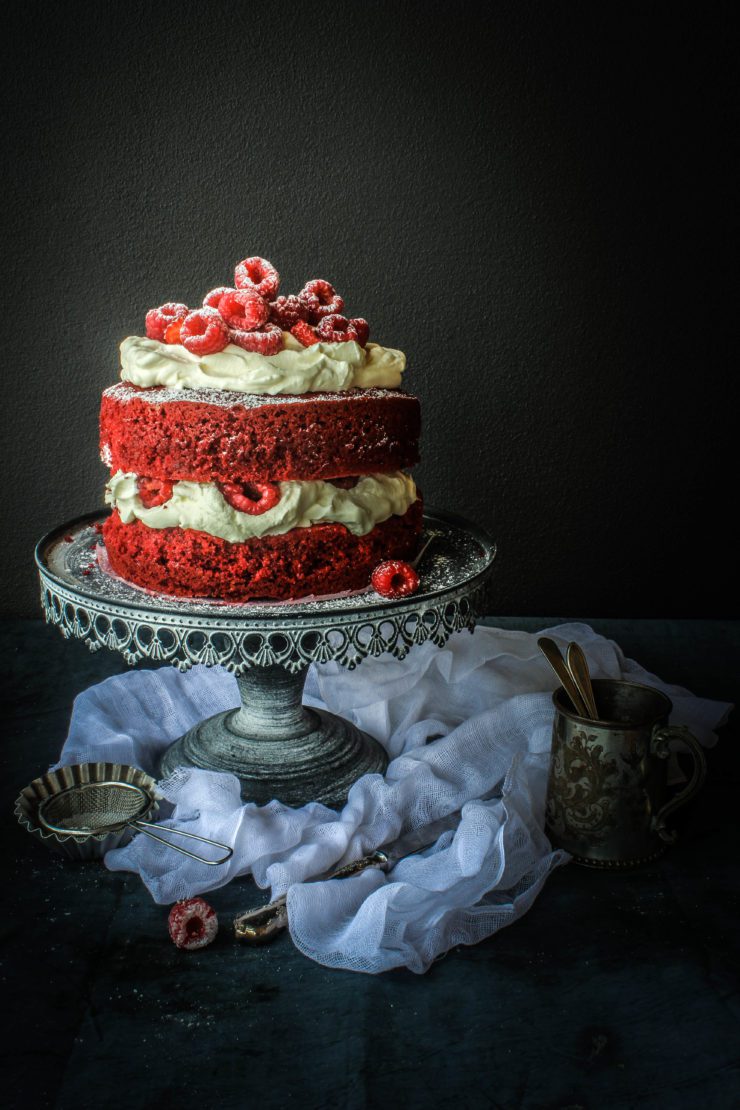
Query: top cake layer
<point>249,388</point>
<point>211,435</point>
<point>326,410</point>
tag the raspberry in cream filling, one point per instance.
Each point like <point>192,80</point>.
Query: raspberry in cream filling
<point>203,506</point>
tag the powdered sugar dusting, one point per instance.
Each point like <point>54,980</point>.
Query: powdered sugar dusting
<point>160,395</point>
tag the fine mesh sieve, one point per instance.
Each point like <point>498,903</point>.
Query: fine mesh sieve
<point>94,808</point>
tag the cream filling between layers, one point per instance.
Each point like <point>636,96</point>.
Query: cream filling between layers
<point>321,368</point>
<point>202,506</point>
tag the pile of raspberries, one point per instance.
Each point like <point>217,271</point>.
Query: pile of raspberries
<point>252,316</point>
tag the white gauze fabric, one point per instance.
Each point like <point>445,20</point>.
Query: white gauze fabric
<point>467,728</point>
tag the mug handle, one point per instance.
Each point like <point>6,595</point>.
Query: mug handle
<point>660,745</point>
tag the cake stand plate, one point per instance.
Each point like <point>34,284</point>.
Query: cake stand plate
<point>276,746</point>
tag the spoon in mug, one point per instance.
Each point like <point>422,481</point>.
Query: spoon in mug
<point>551,652</point>
<point>578,667</point>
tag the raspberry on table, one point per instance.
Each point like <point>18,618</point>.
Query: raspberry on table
<point>254,498</point>
<point>394,579</point>
<point>321,299</point>
<point>154,491</point>
<point>203,332</point>
<point>159,319</point>
<point>192,924</point>
<point>335,329</point>
<point>211,299</point>
<point>243,309</point>
<point>287,311</point>
<point>268,340</point>
<point>305,334</point>
<point>258,274</point>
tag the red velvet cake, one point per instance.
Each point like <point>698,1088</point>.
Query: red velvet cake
<point>207,437</point>
<point>192,563</point>
<point>258,447</point>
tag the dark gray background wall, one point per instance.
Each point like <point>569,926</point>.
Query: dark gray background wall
<point>532,200</point>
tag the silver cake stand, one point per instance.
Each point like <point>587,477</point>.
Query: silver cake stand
<point>276,746</point>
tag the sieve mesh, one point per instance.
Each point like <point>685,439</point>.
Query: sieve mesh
<point>93,807</point>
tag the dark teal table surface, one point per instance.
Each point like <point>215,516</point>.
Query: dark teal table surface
<point>614,991</point>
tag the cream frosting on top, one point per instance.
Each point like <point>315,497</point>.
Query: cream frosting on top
<point>323,367</point>
<point>202,506</point>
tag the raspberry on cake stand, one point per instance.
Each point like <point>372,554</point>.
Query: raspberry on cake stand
<point>276,746</point>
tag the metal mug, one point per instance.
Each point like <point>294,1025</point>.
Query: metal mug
<point>607,791</point>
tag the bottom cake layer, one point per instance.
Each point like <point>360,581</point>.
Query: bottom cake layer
<point>321,559</point>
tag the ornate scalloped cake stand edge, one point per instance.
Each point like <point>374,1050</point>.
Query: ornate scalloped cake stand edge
<point>276,746</point>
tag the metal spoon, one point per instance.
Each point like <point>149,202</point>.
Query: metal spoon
<point>578,667</point>
<point>551,652</point>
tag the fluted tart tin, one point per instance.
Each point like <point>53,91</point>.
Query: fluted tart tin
<point>53,783</point>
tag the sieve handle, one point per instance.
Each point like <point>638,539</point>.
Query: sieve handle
<point>144,827</point>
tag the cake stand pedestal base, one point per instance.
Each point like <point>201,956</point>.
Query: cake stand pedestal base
<point>277,747</point>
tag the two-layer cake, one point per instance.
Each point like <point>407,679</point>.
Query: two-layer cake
<point>258,447</point>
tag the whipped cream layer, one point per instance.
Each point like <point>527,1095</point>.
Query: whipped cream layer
<point>323,367</point>
<point>201,506</point>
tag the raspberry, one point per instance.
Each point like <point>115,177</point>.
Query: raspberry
<point>172,332</point>
<point>158,319</point>
<point>287,311</point>
<point>192,924</point>
<point>335,329</point>
<point>311,305</point>
<point>244,310</point>
<point>304,333</point>
<point>258,274</point>
<point>211,299</point>
<point>394,579</point>
<point>267,341</point>
<point>320,299</point>
<point>204,332</point>
<point>154,491</point>
<point>254,498</point>
<point>362,328</point>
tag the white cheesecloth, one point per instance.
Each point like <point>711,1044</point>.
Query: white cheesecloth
<point>458,722</point>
